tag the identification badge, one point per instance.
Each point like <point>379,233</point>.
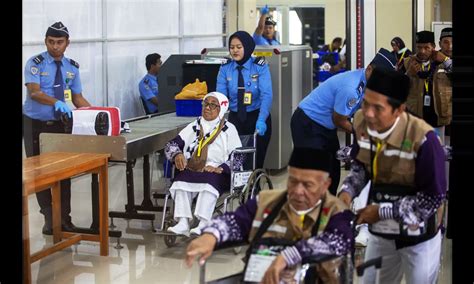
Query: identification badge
<point>257,266</point>
<point>247,98</point>
<point>388,226</point>
<point>67,95</point>
<point>427,101</point>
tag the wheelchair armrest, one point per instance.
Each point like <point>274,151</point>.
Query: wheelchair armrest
<point>315,259</point>
<point>244,150</point>
<point>377,262</point>
<point>227,245</point>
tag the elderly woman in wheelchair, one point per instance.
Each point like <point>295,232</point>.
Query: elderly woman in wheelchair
<point>201,154</point>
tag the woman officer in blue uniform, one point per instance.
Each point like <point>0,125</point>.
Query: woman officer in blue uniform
<point>247,83</point>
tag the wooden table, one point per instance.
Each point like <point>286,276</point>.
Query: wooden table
<point>46,171</point>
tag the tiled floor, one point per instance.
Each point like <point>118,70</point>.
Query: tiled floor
<point>144,257</point>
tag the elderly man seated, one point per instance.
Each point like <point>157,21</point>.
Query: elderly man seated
<point>311,220</point>
<point>201,153</point>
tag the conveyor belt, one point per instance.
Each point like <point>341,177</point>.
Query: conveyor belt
<point>148,135</point>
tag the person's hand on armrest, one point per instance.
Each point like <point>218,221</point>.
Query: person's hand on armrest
<point>180,161</point>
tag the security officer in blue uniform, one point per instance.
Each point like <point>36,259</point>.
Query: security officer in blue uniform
<point>265,32</point>
<point>148,86</point>
<point>247,83</point>
<point>51,81</point>
<point>330,106</point>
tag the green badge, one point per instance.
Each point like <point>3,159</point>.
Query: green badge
<point>406,145</point>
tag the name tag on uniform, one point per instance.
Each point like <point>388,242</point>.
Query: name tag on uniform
<point>67,95</point>
<point>427,101</point>
<point>254,77</point>
<point>247,98</point>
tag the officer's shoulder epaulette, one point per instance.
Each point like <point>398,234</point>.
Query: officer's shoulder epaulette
<point>227,61</point>
<point>146,81</point>
<point>38,59</point>
<point>260,60</point>
<point>74,63</point>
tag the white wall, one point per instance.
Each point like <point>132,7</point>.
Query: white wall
<point>111,38</point>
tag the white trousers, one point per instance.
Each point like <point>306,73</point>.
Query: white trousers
<point>419,263</point>
<point>205,204</point>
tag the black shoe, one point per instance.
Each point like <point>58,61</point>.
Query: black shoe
<point>68,226</point>
<point>47,230</point>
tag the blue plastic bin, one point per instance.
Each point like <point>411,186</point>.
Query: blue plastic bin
<point>325,54</point>
<point>188,107</point>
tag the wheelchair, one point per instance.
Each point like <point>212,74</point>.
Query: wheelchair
<point>323,268</point>
<point>245,183</point>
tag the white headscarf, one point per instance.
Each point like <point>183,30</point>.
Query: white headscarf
<point>224,106</point>
<point>223,102</point>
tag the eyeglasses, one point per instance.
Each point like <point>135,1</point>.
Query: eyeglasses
<point>210,105</point>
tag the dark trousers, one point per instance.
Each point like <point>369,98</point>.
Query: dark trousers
<point>248,127</point>
<point>31,131</point>
<point>307,133</point>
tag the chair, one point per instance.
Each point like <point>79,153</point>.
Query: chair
<point>244,184</point>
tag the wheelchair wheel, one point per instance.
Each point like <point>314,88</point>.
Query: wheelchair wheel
<point>257,181</point>
<point>170,240</point>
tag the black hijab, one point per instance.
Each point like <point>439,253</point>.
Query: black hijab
<point>398,42</point>
<point>247,42</point>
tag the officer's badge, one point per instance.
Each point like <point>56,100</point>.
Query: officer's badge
<point>34,70</point>
<point>229,78</point>
<point>361,86</point>
<point>351,103</point>
<point>70,75</point>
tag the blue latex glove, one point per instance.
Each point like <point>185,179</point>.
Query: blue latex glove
<point>261,127</point>
<point>62,107</point>
<point>264,10</point>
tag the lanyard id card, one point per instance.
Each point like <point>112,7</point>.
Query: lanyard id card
<point>247,98</point>
<point>427,101</point>
<point>67,95</point>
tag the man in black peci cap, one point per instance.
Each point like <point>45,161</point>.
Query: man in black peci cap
<point>305,216</point>
<point>430,95</point>
<point>404,160</point>
<point>446,42</point>
<point>51,80</point>
<point>329,106</point>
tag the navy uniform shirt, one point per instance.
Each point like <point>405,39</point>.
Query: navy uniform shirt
<point>41,69</point>
<point>342,93</point>
<point>148,87</point>
<point>261,40</point>
<point>257,81</point>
